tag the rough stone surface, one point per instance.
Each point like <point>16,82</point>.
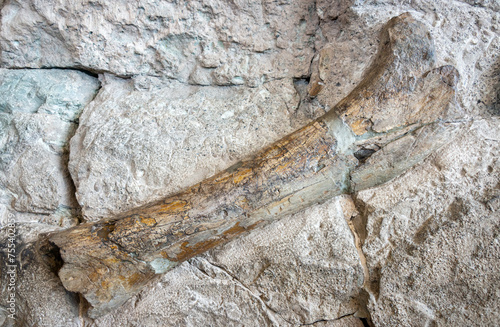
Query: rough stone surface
<point>433,237</point>
<point>41,299</point>
<point>153,143</point>
<point>430,247</point>
<point>295,271</point>
<point>110,262</point>
<point>39,112</point>
<point>201,42</point>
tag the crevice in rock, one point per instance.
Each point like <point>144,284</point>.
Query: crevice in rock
<point>77,208</point>
<point>245,287</point>
<point>83,307</point>
<point>66,158</point>
<point>91,73</point>
<point>326,320</point>
<point>366,322</point>
<point>96,72</point>
<point>356,215</point>
<point>308,107</point>
<point>86,70</point>
<point>49,254</point>
<point>364,153</point>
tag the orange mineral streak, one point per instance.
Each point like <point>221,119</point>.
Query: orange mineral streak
<point>242,175</point>
<point>284,167</point>
<point>243,202</point>
<point>150,222</point>
<point>130,280</point>
<point>111,261</point>
<point>283,178</point>
<point>360,126</point>
<point>133,279</point>
<point>190,250</point>
<point>173,207</point>
<point>222,179</point>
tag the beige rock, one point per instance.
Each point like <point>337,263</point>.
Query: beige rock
<point>298,270</point>
<point>466,36</point>
<point>402,98</point>
<point>148,140</point>
<point>432,239</point>
<point>40,297</point>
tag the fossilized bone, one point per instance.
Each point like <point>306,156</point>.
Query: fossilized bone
<point>393,119</point>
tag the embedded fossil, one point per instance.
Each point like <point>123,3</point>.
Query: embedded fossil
<point>392,120</point>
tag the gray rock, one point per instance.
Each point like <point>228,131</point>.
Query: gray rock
<point>431,248</point>
<point>135,145</point>
<point>465,37</point>
<point>39,112</point>
<point>432,237</point>
<point>40,298</point>
<point>348,321</point>
<point>62,93</point>
<point>242,43</point>
<point>299,270</point>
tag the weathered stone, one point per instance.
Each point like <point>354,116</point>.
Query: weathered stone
<point>112,260</point>
<point>466,36</point>
<point>39,112</point>
<point>173,128</point>
<point>348,321</point>
<point>297,270</point>
<point>432,237</point>
<point>38,293</point>
<point>243,43</point>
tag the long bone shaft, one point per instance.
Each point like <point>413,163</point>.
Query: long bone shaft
<point>391,121</point>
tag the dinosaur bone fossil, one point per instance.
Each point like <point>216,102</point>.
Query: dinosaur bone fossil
<point>392,120</point>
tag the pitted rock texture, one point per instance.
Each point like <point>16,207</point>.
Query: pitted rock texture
<point>153,143</point>
<point>295,271</point>
<point>34,34</point>
<point>201,42</point>
<point>41,299</point>
<point>302,270</point>
<point>465,37</point>
<point>39,112</point>
<point>109,262</point>
<point>432,237</point>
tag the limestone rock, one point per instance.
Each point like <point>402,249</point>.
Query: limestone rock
<point>135,145</point>
<point>241,43</point>
<point>432,237</point>
<point>39,112</point>
<point>465,37</point>
<point>402,98</point>
<point>298,270</point>
<point>41,300</point>
<point>66,34</point>
<point>348,321</point>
